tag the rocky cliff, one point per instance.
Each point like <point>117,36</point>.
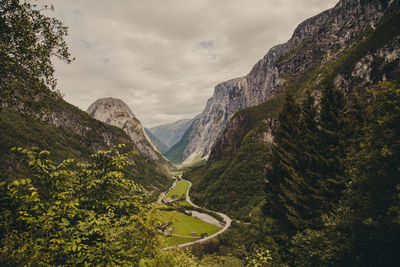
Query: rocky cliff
<point>364,50</point>
<point>115,112</point>
<point>317,42</point>
<point>50,123</point>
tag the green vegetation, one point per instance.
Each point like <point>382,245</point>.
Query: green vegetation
<point>74,213</point>
<point>358,224</point>
<point>28,40</point>
<point>184,204</point>
<point>58,211</point>
<point>184,224</point>
<point>25,130</point>
<point>32,115</point>
<point>179,191</point>
<point>246,159</point>
<point>176,240</point>
<point>197,162</point>
<point>326,193</point>
<point>174,154</point>
<point>373,40</point>
<point>332,190</point>
<point>309,176</point>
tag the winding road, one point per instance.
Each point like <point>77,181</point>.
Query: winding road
<point>225,217</point>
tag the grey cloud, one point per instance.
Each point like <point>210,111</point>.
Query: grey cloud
<point>164,57</point>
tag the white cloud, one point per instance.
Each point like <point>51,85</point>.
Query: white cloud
<point>164,57</point>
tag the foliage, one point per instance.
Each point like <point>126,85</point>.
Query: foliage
<point>222,261</point>
<point>28,40</point>
<point>25,130</point>
<point>286,187</point>
<point>364,228</point>
<point>260,258</point>
<point>225,186</point>
<point>313,248</point>
<point>175,153</point>
<point>76,213</point>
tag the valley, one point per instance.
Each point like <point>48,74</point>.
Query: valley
<point>294,163</point>
<point>188,227</point>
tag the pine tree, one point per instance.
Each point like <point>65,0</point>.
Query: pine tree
<point>373,195</point>
<point>332,148</point>
<point>311,167</point>
<point>364,228</point>
<point>286,190</point>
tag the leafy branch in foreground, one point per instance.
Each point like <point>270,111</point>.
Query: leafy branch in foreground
<point>75,213</point>
<point>28,42</point>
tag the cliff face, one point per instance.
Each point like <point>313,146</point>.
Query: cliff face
<point>115,112</point>
<point>317,41</point>
<point>356,46</point>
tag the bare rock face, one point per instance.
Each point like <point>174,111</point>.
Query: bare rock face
<point>315,42</point>
<point>115,112</point>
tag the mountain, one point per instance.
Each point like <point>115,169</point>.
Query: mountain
<point>175,153</point>
<point>170,134</point>
<point>353,46</point>
<point>48,122</point>
<point>159,145</point>
<point>317,42</point>
<point>115,112</point>
<point>67,132</point>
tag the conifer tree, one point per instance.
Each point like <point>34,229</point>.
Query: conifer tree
<point>311,155</point>
<point>332,147</point>
<point>286,188</point>
<point>364,228</point>
<point>374,192</point>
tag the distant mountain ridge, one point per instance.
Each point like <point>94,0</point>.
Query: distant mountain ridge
<point>160,145</point>
<point>170,134</point>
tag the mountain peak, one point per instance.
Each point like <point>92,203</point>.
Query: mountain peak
<point>116,112</point>
<point>109,109</point>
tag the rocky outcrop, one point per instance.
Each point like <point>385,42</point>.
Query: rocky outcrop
<point>115,112</point>
<point>317,41</point>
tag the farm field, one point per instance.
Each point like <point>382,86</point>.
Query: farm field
<point>178,191</point>
<point>184,224</point>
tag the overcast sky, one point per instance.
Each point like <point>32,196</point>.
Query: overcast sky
<point>164,57</point>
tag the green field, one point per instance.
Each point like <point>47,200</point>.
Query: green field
<point>179,190</point>
<point>183,204</point>
<point>184,224</point>
<point>197,162</point>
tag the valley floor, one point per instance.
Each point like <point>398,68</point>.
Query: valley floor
<point>195,228</point>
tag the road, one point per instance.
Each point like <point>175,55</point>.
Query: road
<point>225,217</point>
<point>162,195</point>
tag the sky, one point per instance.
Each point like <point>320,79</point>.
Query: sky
<point>164,57</point>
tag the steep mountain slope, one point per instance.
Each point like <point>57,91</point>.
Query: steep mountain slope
<point>115,112</point>
<point>170,134</point>
<point>354,45</point>
<point>52,124</point>
<point>175,154</point>
<point>315,42</point>
<point>159,145</point>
